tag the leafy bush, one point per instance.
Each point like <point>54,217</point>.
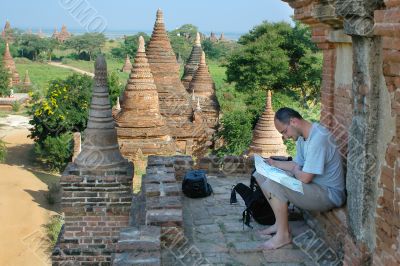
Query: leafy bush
<point>53,228</point>
<point>3,151</point>
<point>64,108</point>
<point>4,82</point>
<point>51,194</point>
<point>16,105</point>
<point>55,152</point>
<point>115,87</point>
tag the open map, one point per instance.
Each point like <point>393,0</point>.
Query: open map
<point>278,175</point>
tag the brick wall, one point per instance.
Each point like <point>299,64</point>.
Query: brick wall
<point>96,208</point>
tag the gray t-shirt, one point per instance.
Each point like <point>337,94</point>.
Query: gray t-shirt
<point>318,155</point>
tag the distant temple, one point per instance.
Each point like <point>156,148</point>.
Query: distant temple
<point>9,64</point>
<point>63,35</point>
<point>6,34</point>
<point>193,62</point>
<point>27,81</point>
<point>202,88</point>
<point>267,141</point>
<point>127,67</point>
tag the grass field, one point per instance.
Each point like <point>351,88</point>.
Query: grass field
<point>112,65</point>
<point>40,73</point>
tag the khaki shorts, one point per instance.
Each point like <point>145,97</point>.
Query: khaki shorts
<point>315,197</point>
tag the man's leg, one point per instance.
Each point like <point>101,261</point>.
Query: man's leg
<point>280,209</point>
<point>281,226</point>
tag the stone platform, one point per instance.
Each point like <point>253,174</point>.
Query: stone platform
<point>214,233</point>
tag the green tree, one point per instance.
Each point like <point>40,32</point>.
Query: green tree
<point>129,46</point>
<point>55,152</point>
<point>4,81</point>
<point>91,43</point>
<point>259,65</point>
<point>63,109</point>
<point>31,46</point>
<point>115,87</point>
<point>218,50</point>
<point>236,132</point>
<point>277,56</point>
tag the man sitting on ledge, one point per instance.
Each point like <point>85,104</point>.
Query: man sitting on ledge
<point>317,164</point>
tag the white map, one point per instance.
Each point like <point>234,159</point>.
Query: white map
<point>276,174</point>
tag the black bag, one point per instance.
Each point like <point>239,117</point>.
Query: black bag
<point>257,206</point>
<point>194,184</point>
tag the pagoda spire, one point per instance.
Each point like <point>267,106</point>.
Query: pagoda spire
<point>100,149</point>
<point>267,141</point>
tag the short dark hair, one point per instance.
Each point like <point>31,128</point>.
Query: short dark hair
<point>285,114</point>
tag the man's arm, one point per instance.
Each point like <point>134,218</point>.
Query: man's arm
<point>284,165</point>
<point>302,176</point>
<point>294,168</point>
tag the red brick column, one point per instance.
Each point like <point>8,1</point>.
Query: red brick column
<point>387,25</point>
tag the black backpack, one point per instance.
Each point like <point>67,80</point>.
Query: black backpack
<point>257,206</point>
<point>194,184</point>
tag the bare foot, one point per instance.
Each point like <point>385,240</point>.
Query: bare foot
<point>277,241</point>
<point>268,231</point>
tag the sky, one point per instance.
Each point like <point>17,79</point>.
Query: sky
<point>103,15</point>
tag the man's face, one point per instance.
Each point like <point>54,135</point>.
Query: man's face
<point>288,131</point>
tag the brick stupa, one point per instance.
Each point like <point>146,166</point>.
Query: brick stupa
<point>27,81</point>
<point>192,63</point>
<point>55,34</point>
<point>267,141</point>
<point>9,64</point>
<point>63,35</point>
<point>6,34</point>
<point>140,125</point>
<point>202,87</point>
<point>175,104</point>
<point>127,67</point>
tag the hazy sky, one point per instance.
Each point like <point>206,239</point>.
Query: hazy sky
<point>208,15</point>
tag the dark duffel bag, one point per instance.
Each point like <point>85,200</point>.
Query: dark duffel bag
<point>194,184</point>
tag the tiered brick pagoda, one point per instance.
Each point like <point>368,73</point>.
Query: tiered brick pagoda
<point>9,64</point>
<point>267,141</point>
<point>27,81</point>
<point>213,37</point>
<point>127,65</point>
<point>175,104</point>
<point>140,125</point>
<point>55,34</point>
<point>6,34</point>
<point>96,187</point>
<point>41,34</point>
<point>202,87</point>
<point>192,63</point>
<point>63,35</point>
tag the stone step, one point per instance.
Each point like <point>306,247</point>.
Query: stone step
<point>164,217</point>
<point>137,258</point>
<point>160,177</point>
<point>162,189</point>
<point>167,202</point>
<point>141,239</point>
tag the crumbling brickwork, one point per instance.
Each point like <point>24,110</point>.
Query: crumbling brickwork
<point>362,111</point>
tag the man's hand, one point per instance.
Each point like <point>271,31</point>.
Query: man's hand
<point>295,169</point>
<point>270,161</point>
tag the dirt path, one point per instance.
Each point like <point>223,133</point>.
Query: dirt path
<point>23,208</point>
<point>71,67</point>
